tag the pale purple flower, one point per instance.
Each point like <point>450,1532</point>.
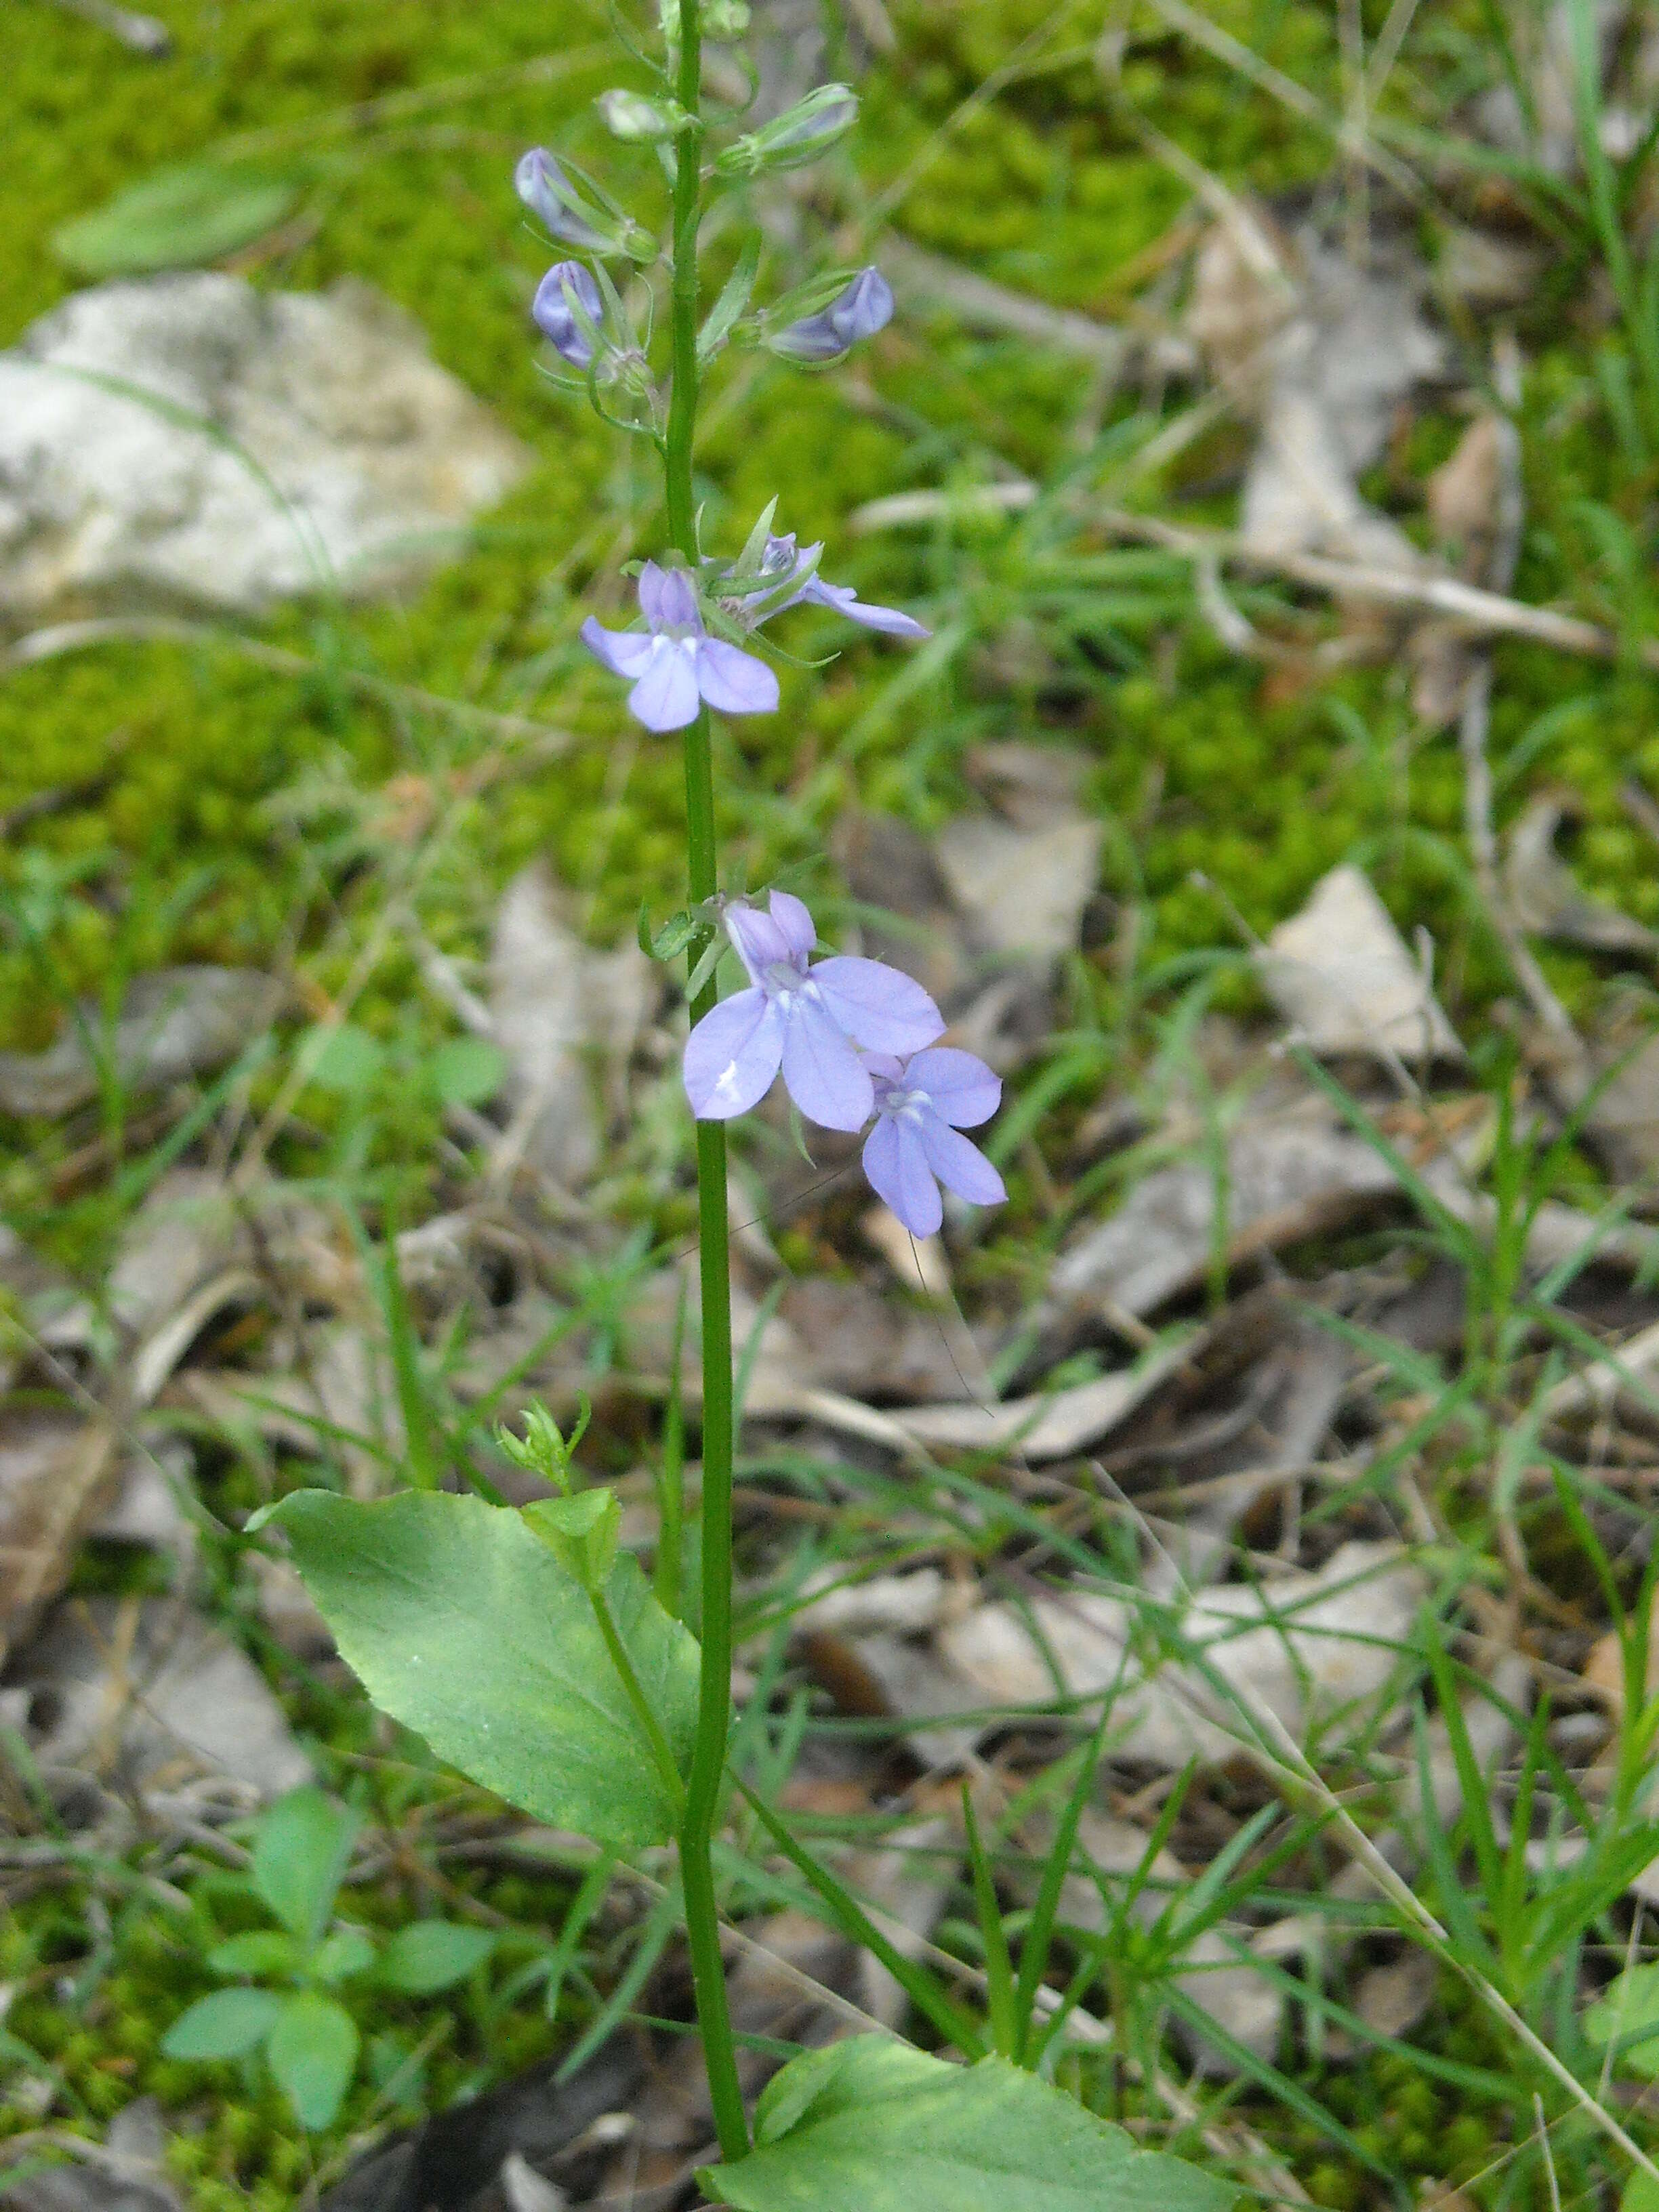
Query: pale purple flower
<point>674,662</point>
<point>806,1021</point>
<point>782,560</point>
<point>568,298</point>
<point>921,1108</point>
<point>865,307</point>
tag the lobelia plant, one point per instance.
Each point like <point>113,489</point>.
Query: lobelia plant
<point>526,1647</point>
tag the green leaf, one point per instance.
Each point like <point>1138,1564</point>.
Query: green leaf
<point>464,1627</point>
<point>466,1072</point>
<point>314,2055</point>
<point>1626,2014</point>
<point>265,1951</point>
<point>870,2125</point>
<point>348,1951</point>
<point>1641,2194</point>
<point>430,1954</point>
<point>223,2026</point>
<point>346,1059</point>
<point>177,219</point>
<point>300,1853</point>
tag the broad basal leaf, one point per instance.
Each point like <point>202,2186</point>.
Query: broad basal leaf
<point>177,219</point>
<point>870,2125</point>
<point>464,1627</point>
<point>223,2026</point>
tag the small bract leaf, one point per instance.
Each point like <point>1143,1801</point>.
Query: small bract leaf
<point>870,2125</point>
<point>300,1854</point>
<point>348,1951</point>
<point>223,2026</point>
<point>466,1072</point>
<point>465,1628</point>
<point>430,1954</point>
<point>177,219</point>
<point>314,2055</point>
<point>263,1952</point>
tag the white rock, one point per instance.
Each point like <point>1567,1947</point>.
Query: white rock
<point>187,438</point>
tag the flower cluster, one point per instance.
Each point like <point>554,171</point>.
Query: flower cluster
<point>854,1039</point>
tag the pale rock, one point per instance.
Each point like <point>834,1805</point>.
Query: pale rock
<point>189,438</point>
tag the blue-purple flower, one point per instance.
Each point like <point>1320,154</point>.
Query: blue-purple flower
<point>788,577</point>
<point>865,307</point>
<point>577,212</point>
<point>922,1106</point>
<point>675,664</point>
<point>807,1021</point>
<point>568,309</point>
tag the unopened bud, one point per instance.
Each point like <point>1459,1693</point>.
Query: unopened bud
<point>801,134</point>
<point>579,214</point>
<point>858,312</point>
<point>569,312</point>
<point>631,116</point>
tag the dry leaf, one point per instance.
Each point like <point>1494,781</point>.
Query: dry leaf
<point>551,999</point>
<point>1319,354</point>
<point>153,1696</point>
<point>175,1024</point>
<point>58,1472</point>
<point>1545,900</point>
<point>1302,1648</point>
<point>1339,971</point>
<point>124,2173</point>
<point>1238,1998</point>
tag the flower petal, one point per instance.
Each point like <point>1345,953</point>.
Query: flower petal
<point>963,1091</point>
<point>665,697</point>
<point>567,298</point>
<point>796,924</point>
<point>760,944</point>
<point>624,652</point>
<point>846,601</point>
<point>897,1168</point>
<point>959,1164</point>
<point>825,1077</point>
<point>879,1007</point>
<point>666,598</point>
<point>731,1056</point>
<point>733,681</point>
<point>865,307</point>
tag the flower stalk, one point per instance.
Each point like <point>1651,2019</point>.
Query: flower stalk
<point>702,1795</point>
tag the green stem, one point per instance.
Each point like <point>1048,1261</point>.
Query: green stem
<point>715,1701</point>
<point>661,1750</point>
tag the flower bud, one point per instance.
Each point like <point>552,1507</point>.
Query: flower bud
<point>568,310</point>
<point>584,219</point>
<point>631,116</point>
<point>725,20</point>
<point>801,134</point>
<point>865,307</point>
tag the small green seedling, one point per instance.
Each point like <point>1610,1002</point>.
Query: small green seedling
<point>280,2000</point>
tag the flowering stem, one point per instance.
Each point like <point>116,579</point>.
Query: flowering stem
<point>715,1701</point>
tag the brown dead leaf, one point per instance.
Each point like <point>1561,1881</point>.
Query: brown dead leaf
<point>552,1001</point>
<point>870,1345</point>
<point>58,1472</point>
<point>1319,354</point>
<point>1393,1999</point>
<point>1301,1647</point>
<point>174,1025</point>
<point>153,1696</point>
<point>1545,898</point>
<point>1339,971</point>
<point>1241,2000</point>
